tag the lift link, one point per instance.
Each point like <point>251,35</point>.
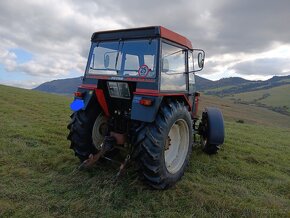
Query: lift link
<point>107,145</point>
<point>122,167</point>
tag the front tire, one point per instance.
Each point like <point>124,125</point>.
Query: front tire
<point>211,130</point>
<point>164,147</point>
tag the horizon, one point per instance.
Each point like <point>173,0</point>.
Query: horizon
<point>196,75</point>
<point>50,40</point>
<point>81,76</point>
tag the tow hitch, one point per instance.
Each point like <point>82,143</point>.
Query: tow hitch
<point>107,145</point>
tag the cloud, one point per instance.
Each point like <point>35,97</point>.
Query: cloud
<point>8,59</point>
<point>275,61</point>
<point>218,26</point>
<point>57,33</point>
<point>264,66</point>
<point>252,26</point>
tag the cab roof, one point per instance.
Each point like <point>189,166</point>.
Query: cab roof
<point>143,32</point>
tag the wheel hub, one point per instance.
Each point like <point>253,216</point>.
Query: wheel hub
<point>167,143</point>
<point>99,131</point>
<point>176,146</point>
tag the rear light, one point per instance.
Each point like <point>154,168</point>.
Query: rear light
<point>146,102</point>
<point>78,94</point>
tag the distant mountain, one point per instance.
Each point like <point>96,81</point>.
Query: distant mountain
<point>60,86</point>
<point>272,94</point>
<point>222,87</point>
<point>203,84</point>
<point>231,81</point>
<point>68,86</point>
<point>236,85</point>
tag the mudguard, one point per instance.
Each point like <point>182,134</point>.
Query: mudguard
<point>145,113</point>
<point>216,132</point>
<point>82,103</point>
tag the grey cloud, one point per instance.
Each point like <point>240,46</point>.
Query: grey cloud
<point>252,26</point>
<point>217,26</point>
<point>265,66</point>
<point>40,27</point>
<point>58,32</point>
<point>209,68</point>
<point>8,59</point>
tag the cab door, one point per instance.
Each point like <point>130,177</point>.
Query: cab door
<point>192,94</point>
<point>173,69</point>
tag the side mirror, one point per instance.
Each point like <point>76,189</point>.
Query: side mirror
<point>165,65</point>
<point>198,57</point>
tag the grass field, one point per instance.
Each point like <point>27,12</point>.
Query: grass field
<point>275,97</point>
<point>217,89</point>
<point>249,177</point>
<point>250,114</point>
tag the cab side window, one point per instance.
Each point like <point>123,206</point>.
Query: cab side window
<point>191,85</point>
<point>173,69</point>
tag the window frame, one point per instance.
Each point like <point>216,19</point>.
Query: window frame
<point>185,62</point>
<point>156,61</point>
<point>189,52</point>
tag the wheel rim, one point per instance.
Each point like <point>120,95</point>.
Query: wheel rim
<point>204,134</point>
<point>99,131</point>
<point>176,146</point>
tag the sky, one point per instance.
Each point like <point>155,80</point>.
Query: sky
<point>43,40</point>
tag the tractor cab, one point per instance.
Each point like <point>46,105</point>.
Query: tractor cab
<point>151,61</point>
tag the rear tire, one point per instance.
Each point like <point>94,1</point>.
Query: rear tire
<point>162,161</point>
<point>80,134</point>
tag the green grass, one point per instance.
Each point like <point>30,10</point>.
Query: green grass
<point>277,96</point>
<point>217,89</point>
<point>250,114</point>
<point>249,177</point>
<point>285,80</point>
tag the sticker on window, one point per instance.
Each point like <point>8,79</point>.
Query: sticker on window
<point>144,70</point>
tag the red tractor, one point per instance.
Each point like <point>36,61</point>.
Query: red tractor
<point>138,96</point>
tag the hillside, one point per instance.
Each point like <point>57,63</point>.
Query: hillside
<point>250,114</point>
<point>61,86</point>
<point>272,94</point>
<point>68,86</point>
<point>222,87</point>
<point>203,83</point>
<point>276,98</point>
<point>234,85</point>
<point>249,177</point>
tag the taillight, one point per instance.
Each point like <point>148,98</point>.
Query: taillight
<point>79,94</point>
<point>146,102</point>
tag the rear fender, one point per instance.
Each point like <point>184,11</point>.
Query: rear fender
<point>181,98</point>
<point>145,113</point>
<point>148,113</point>
<point>81,103</point>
